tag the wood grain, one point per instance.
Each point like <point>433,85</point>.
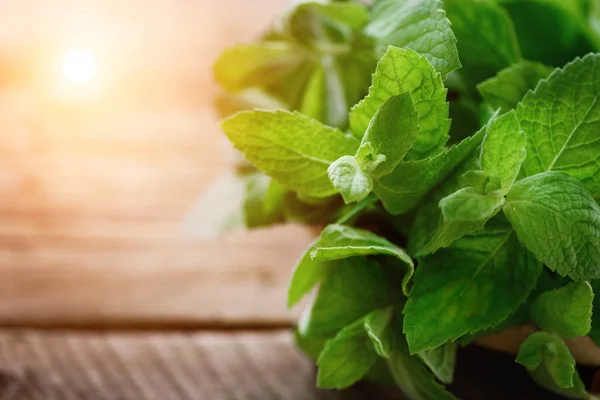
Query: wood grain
<point>212,366</point>
<point>94,192</point>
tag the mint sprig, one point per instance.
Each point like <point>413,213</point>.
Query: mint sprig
<point>430,240</point>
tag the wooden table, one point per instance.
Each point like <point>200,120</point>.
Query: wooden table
<point>102,293</point>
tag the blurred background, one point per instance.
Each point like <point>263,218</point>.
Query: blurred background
<point>107,138</point>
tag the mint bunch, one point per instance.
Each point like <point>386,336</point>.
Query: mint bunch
<point>451,151</point>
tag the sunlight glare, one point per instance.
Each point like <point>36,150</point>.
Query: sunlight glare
<point>79,66</point>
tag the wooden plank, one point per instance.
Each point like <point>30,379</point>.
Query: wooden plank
<point>94,193</point>
<point>212,366</point>
<point>240,280</point>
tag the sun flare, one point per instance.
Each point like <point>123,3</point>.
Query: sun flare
<point>79,66</point>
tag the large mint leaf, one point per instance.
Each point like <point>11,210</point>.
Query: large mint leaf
<point>566,311</point>
<point>346,358</point>
<point>561,120</point>
<point>290,147</point>
<point>487,41</point>
<point>559,222</point>
<point>503,150</point>
<point>420,25</point>
<point>338,242</point>
<point>400,71</point>
<point>344,298</point>
<point>551,364</point>
<point>409,372</point>
<point>410,181</point>
<point>473,285</point>
<point>509,86</point>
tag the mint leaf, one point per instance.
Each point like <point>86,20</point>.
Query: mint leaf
<point>312,346</point>
<point>353,183</point>
<point>377,326</point>
<point>431,230</point>
<point>562,23</point>
<point>559,222</point>
<point>509,86</point>
<point>409,372</point>
<point>410,181</point>
<point>264,199</point>
<point>292,148</point>
<point>391,133</point>
<point>400,71</point>
<point>338,242</point>
<point>346,358</point>
<point>419,25</point>
<point>561,119</point>
<point>342,297</point>
<point>256,64</point>
<point>480,280</point>
<point>566,311</point>
<point>470,205</point>
<point>503,150</point>
<point>492,48</point>
<point>441,361</point>
<point>351,15</point>
<point>551,364</point>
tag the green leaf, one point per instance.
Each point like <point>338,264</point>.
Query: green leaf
<point>353,15</point>
<point>410,181</point>
<point>264,198</point>
<point>509,86</point>
<point>430,230</point>
<point>551,364</point>
<point>391,133</point>
<point>400,71</point>
<point>377,326</point>
<point>503,150</point>
<point>312,346</point>
<point>470,205</point>
<point>566,311</point>
<point>487,41</point>
<point>409,372</point>
<point>559,222</point>
<point>561,119</point>
<point>419,25</point>
<point>353,183</point>
<point>473,285</point>
<point>338,242</point>
<point>561,23</point>
<point>343,297</point>
<point>595,329</point>
<point>256,64</point>
<point>345,359</point>
<point>441,361</point>
<point>291,148</point>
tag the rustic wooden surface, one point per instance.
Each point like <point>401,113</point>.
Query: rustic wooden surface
<point>94,193</point>
<point>112,366</point>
